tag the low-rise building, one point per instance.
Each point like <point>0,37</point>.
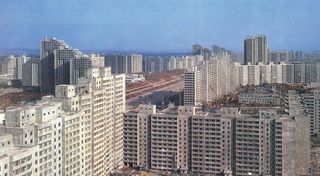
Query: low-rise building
<point>134,78</point>
<point>259,98</point>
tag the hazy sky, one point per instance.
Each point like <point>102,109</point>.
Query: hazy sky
<point>159,25</point>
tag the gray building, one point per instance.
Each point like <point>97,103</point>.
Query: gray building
<point>311,73</point>
<point>60,64</point>
<point>199,50</point>
<point>30,73</point>
<point>259,98</point>
<point>288,73</point>
<point>155,64</point>
<point>19,64</point>
<point>311,102</point>
<point>70,65</point>
<point>123,63</point>
<point>256,50</point>
<point>279,56</point>
<point>47,65</point>
<point>285,56</point>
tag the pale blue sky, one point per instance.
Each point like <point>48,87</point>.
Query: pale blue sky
<point>159,25</point>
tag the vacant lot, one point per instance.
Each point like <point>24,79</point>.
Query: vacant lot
<point>13,98</point>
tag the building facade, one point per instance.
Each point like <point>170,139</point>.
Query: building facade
<point>124,63</point>
<point>47,64</point>
<point>241,140</point>
<point>77,132</point>
<point>256,50</point>
<point>30,73</point>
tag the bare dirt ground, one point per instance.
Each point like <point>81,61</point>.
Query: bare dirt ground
<point>156,87</point>
<point>13,98</point>
<point>153,82</point>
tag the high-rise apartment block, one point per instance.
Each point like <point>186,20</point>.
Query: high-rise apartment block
<point>60,64</point>
<point>47,63</point>
<point>256,140</point>
<point>256,50</point>
<point>285,56</point>
<point>124,63</point>
<point>40,127</point>
<point>77,132</point>
<point>103,102</point>
<point>96,60</point>
<point>219,76</point>
<point>70,65</point>
<point>14,69</point>
<point>280,56</point>
<point>193,87</point>
<point>184,62</point>
<point>20,61</point>
<point>208,81</point>
<point>253,74</point>
<point>15,160</point>
<point>155,64</point>
<point>30,73</point>
<point>8,66</point>
<point>199,50</point>
<point>276,73</point>
<point>311,104</point>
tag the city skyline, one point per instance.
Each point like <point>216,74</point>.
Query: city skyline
<point>167,27</point>
<point>159,87</point>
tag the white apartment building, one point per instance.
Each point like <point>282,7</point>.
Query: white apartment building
<point>96,60</point>
<point>265,73</point>
<point>253,74</point>
<point>235,75</point>
<point>276,73</point>
<point>207,82</point>
<point>219,76</point>
<point>15,160</point>
<point>102,98</point>
<point>78,132</point>
<point>184,62</point>
<point>39,126</point>
<point>243,75</point>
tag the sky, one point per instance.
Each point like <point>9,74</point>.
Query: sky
<point>159,25</point>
